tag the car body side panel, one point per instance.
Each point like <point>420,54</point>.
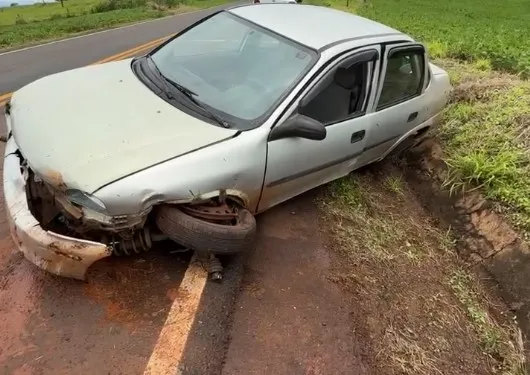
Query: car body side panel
<point>237,164</point>
<point>296,165</point>
<point>391,124</point>
<point>436,96</point>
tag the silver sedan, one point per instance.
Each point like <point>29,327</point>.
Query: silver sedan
<point>239,112</point>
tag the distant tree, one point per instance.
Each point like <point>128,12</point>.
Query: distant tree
<point>13,5</point>
<point>61,1</point>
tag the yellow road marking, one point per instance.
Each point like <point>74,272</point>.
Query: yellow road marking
<point>130,52</point>
<point>169,348</point>
<point>4,97</point>
<point>119,56</point>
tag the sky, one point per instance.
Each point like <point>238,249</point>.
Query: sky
<point>6,3</point>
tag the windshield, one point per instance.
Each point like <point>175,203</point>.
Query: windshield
<point>234,67</point>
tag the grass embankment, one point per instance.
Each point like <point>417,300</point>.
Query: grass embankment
<point>486,138</point>
<point>20,25</point>
<point>486,49</point>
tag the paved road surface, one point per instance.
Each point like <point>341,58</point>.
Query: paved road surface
<point>18,68</point>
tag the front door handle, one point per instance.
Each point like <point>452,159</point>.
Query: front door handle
<point>357,136</point>
<point>412,116</point>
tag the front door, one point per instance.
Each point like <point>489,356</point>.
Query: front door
<point>338,98</point>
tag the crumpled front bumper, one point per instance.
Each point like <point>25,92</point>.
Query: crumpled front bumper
<point>55,253</point>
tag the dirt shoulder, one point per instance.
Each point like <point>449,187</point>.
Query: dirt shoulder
<point>290,318</point>
<point>363,277</point>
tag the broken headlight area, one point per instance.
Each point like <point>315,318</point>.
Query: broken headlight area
<point>76,214</point>
<point>85,200</point>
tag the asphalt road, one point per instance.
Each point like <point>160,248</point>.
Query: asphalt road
<point>20,67</point>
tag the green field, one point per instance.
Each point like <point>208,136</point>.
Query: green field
<point>461,29</point>
<point>44,11</point>
<point>485,46</point>
<point>20,25</point>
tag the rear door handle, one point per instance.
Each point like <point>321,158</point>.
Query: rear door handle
<point>357,136</point>
<point>412,116</point>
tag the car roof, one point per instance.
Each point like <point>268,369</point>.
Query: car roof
<point>311,25</point>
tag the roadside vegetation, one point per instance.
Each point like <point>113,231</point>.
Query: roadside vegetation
<point>495,33</point>
<point>432,313</point>
<point>426,312</point>
<point>486,138</point>
<point>20,25</point>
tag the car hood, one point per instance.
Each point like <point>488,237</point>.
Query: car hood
<point>87,127</point>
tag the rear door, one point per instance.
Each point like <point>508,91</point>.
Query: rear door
<point>399,105</point>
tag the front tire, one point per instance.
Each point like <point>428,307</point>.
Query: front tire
<point>205,236</point>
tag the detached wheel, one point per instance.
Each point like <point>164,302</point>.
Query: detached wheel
<point>202,235</point>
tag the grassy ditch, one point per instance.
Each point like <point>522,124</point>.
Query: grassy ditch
<point>426,313</point>
<point>486,138</point>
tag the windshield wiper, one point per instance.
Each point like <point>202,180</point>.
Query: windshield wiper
<point>192,96</point>
<point>167,87</point>
<point>188,93</point>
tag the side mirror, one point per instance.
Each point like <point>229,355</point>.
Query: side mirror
<point>299,126</point>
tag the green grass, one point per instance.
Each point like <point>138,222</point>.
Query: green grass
<point>495,340</point>
<point>27,24</point>
<point>486,138</point>
<point>463,29</point>
<point>41,12</point>
<point>22,34</point>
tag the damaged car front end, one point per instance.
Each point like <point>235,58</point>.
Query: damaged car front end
<point>54,252</point>
<point>64,231</point>
<point>64,228</point>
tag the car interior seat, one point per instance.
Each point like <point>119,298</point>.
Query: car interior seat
<point>340,98</point>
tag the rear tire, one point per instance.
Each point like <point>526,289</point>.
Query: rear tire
<point>204,236</point>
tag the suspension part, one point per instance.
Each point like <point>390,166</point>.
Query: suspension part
<point>140,241</point>
<point>215,268</point>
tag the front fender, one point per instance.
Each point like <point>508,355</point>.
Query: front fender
<point>236,165</point>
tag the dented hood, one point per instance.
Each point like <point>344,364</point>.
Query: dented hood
<point>90,126</point>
